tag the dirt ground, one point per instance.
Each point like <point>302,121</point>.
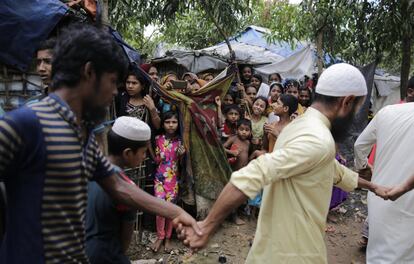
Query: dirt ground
<point>231,243</point>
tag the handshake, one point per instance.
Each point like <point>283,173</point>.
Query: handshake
<point>387,193</point>
<point>194,238</point>
<point>390,193</point>
<point>196,234</point>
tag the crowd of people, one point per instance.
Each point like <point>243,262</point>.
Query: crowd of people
<point>250,117</point>
<point>278,137</point>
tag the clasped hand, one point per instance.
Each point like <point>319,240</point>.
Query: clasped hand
<point>191,238</point>
<point>386,193</point>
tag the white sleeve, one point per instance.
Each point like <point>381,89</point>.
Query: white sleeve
<point>365,142</point>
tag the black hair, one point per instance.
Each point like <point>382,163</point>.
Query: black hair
<point>293,83</point>
<point>325,99</point>
<point>277,84</point>
<point>306,89</point>
<point>247,66</point>
<point>277,74</point>
<point>117,144</point>
<point>244,121</point>
<point>232,95</point>
<point>142,80</point>
<point>289,101</point>
<point>232,107</point>
<point>251,86</point>
<point>79,44</point>
<point>258,76</point>
<point>262,98</point>
<point>330,100</point>
<point>48,44</point>
<point>168,115</point>
<point>411,83</point>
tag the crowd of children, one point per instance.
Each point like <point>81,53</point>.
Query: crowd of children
<point>250,117</point>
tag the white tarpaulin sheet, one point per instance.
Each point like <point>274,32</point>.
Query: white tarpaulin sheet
<point>193,61</point>
<point>386,91</point>
<point>295,66</point>
<point>249,54</point>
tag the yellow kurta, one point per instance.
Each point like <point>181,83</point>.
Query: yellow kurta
<point>297,178</point>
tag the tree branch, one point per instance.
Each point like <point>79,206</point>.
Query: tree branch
<point>221,31</point>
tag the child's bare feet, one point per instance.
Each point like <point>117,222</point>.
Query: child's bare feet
<point>168,245</point>
<point>157,245</point>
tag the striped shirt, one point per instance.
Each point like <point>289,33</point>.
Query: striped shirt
<point>45,165</point>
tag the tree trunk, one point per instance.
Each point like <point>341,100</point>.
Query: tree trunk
<point>319,42</point>
<point>105,12</point>
<point>405,64</point>
<point>406,44</point>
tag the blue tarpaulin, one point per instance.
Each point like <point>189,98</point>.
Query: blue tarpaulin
<point>256,37</point>
<point>131,53</point>
<point>24,24</point>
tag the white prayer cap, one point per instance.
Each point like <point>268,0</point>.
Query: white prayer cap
<point>131,128</point>
<point>341,80</point>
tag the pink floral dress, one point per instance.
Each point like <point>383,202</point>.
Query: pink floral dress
<point>166,175</point>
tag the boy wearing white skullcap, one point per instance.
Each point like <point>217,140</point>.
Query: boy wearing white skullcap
<point>297,178</point>
<point>109,226</point>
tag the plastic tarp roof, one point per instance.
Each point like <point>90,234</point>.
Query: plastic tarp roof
<point>23,25</point>
<point>194,61</point>
<point>295,66</point>
<point>130,52</point>
<point>246,53</point>
<point>251,46</point>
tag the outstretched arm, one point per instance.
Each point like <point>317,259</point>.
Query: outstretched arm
<point>247,182</point>
<point>399,190</point>
<point>134,197</point>
<point>379,190</point>
<point>349,180</point>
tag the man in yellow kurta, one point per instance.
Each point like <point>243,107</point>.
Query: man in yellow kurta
<point>297,177</point>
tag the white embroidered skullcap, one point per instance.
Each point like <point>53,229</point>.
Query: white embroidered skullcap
<point>340,80</point>
<point>131,128</point>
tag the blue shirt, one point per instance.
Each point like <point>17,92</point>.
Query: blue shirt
<point>45,165</point>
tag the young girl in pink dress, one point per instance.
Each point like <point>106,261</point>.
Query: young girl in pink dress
<point>168,152</point>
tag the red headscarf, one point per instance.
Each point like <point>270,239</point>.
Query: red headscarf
<point>146,67</point>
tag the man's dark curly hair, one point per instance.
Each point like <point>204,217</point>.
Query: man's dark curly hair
<point>79,44</point>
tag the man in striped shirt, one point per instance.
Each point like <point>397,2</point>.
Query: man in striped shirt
<point>47,155</point>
